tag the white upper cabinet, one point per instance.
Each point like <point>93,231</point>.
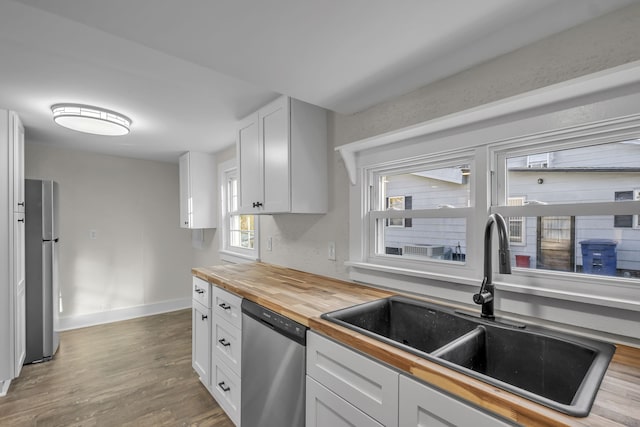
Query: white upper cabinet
<point>282,158</point>
<point>18,162</point>
<point>198,190</point>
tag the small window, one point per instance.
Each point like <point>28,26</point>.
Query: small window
<point>240,232</point>
<point>516,223</point>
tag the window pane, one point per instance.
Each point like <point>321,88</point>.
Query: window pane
<point>582,244</point>
<point>427,238</point>
<point>428,189</point>
<point>241,231</point>
<point>601,173</point>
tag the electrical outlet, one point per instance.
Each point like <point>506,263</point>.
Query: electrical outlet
<point>331,251</point>
<point>269,243</point>
<point>93,234</point>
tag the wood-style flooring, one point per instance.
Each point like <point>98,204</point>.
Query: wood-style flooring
<point>131,373</point>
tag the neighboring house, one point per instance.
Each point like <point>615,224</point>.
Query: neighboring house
<point>608,172</point>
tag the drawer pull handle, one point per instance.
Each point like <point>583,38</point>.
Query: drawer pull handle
<point>224,342</point>
<point>256,204</point>
<point>223,387</point>
<point>199,291</point>
<point>204,317</point>
<point>224,306</point>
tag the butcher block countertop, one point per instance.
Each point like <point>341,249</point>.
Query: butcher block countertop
<point>303,297</point>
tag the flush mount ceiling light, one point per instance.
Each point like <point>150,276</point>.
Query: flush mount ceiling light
<point>95,120</point>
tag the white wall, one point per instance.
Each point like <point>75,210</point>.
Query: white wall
<point>300,241</point>
<point>141,257</point>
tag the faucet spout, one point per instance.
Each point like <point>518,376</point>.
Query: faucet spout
<point>486,294</point>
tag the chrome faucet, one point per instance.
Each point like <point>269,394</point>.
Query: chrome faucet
<point>486,294</point>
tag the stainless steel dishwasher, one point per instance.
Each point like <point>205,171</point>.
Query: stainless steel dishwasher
<point>273,369</point>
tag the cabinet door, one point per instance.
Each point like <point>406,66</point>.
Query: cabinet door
<point>274,133</point>
<point>200,342</point>
<point>20,301</point>
<point>185,199</point>
<point>324,408</point>
<point>18,164</point>
<point>249,152</point>
<point>421,405</point>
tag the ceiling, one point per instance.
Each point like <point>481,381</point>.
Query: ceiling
<point>185,71</point>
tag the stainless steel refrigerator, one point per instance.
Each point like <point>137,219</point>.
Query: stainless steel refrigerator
<point>41,250</point>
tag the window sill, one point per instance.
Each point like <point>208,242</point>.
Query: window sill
<point>237,258</point>
<point>384,272</point>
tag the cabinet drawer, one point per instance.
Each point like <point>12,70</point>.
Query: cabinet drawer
<point>226,344</point>
<point>325,408</point>
<point>200,292</point>
<point>365,383</point>
<point>225,386</point>
<point>227,306</point>
<point>421,405</point>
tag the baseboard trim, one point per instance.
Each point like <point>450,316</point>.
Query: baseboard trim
<point>4,387</point>
<point>85,320</point>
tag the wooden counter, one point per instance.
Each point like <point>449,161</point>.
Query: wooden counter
<point>303,297</point>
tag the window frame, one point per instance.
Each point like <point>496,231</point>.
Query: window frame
<point>229,253</point>
<point>375,219</point>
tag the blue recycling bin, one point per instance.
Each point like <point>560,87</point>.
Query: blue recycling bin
<point>599,256</point>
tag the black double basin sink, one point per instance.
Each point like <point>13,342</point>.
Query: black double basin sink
<point>557,370</point>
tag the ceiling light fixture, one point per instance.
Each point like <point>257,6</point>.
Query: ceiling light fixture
<point>95,120</point>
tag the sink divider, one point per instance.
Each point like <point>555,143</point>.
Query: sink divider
<point>462,348</point>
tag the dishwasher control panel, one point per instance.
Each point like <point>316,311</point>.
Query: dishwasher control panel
<point>275,321</point>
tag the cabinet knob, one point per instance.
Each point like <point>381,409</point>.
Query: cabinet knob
<point>224,342</point>
<point>224,306</point>
<point>223,386</point>
<point>204,317</point>
<point>257,204</point>
<point>186,223</point>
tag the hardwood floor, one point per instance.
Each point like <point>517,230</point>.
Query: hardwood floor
<point>132,373</point>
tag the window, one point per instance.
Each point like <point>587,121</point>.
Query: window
<point>626,221</point>
<point>570,210</point>
<point>240,232</point>
<point>516,223</point>
<point>540,147</point>
<point>419,212</point>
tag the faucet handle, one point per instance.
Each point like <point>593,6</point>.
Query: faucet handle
<point>482,298</point>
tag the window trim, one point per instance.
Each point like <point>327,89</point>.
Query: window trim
<point>227,252</point>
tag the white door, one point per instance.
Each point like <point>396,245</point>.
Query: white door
<point>274,126</point>
<point>20,301</point>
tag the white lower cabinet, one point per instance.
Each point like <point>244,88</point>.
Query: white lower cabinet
<point>347,388</point>
<point>201,330</point>
<point>362,383</point>
<point>422,405</point>
<point>325,408</point>
<point>216,344</point>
